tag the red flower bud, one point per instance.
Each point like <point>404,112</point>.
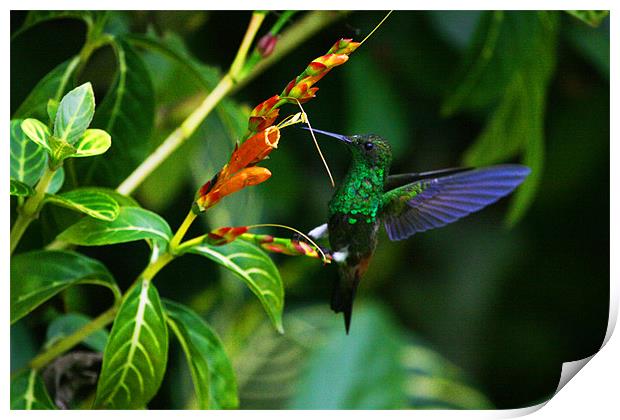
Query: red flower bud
<point>267,44</point>
<point>343,46</point>
<point>264,114</point>
<point>225,235</point>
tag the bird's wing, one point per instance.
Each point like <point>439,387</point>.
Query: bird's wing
<point>399,180</point>
<point>434,202</point>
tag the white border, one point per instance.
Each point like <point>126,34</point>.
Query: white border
<point>594,393</point>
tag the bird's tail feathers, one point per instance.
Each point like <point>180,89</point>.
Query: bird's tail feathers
<point>343,294</point>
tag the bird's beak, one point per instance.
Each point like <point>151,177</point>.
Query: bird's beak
<point>340,137</point>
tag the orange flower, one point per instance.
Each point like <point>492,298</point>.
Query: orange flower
<point>240,171</point>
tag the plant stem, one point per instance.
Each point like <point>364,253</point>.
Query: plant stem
<point>180,233</point>
<point>190,243</point>
<point>30,210</point>
<point>309,25</point>
<point>155,266</point>
<point>242,53</point>
<point>292,37</point>
<point>284,17</point>
<point>68,342</point>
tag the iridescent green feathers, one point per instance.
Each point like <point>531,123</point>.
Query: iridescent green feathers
<point>359,195</point>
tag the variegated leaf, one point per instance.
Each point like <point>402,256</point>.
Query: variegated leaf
<point>28,392</point>
<point>212,373</point>
<point>37,276</point>
<point>37,132</point>
<point>94,203</point>
<point>93,142</point>
<point>134,360</point>
<point>131,224</point>
<point>74,114</point>
<point>28,159</point>
<point>255,268</point>
<point>19,189</point>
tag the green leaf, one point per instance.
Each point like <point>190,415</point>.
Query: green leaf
<point>212,373</point>
<point>39,275</point>
<point>57,181</point>
<point>501,45</point>
<point>20,189</point>
<point>433,382</point>
<point>515,127</point>
<point>591,17</point>
<point>52,108</point>
<point>255,268</point>
<point>66,324</point>
<point>316,365</point>
<point>93,142</point>
<point>94,203</point>
<point>28,159</point>
<point>28,392</point>
<point>376,366</point>
<point>75,112</point>
<point>134,360</point>
<point>122,200</point>
<point>127,113</point>
<point>53,85</point>
<point>131,224</point>
<point>39,16</point>
<point>592,44</point>
<point>36,131</point>
<point>357,371</point>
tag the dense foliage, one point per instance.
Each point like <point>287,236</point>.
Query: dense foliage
<point>476,315</point>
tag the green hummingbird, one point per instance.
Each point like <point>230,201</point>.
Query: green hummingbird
<point>405,204</point>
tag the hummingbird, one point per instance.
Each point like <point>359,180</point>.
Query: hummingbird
<point>405,204</point>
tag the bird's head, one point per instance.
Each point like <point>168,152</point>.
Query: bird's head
<point>370,149</point>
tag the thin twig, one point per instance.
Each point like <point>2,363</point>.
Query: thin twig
<point>376,27</point>
<point>316,143</point>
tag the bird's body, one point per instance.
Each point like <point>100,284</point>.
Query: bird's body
<point>405,204</point>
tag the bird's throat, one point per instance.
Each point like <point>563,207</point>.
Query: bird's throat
<point>359,195</point>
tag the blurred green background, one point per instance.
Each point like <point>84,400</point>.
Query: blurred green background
<point>479,314</point>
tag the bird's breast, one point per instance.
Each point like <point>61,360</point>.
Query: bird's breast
<point>353,242</point>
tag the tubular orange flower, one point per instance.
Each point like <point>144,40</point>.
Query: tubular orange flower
<point>253,150</point>
<point>244,178</point>
<point>240,171</point>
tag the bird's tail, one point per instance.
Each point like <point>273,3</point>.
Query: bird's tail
<point>343,293</point>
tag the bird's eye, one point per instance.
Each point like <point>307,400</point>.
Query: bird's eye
<point>369,146</point>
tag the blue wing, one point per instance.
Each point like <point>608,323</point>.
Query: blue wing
<point>435,202</point>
